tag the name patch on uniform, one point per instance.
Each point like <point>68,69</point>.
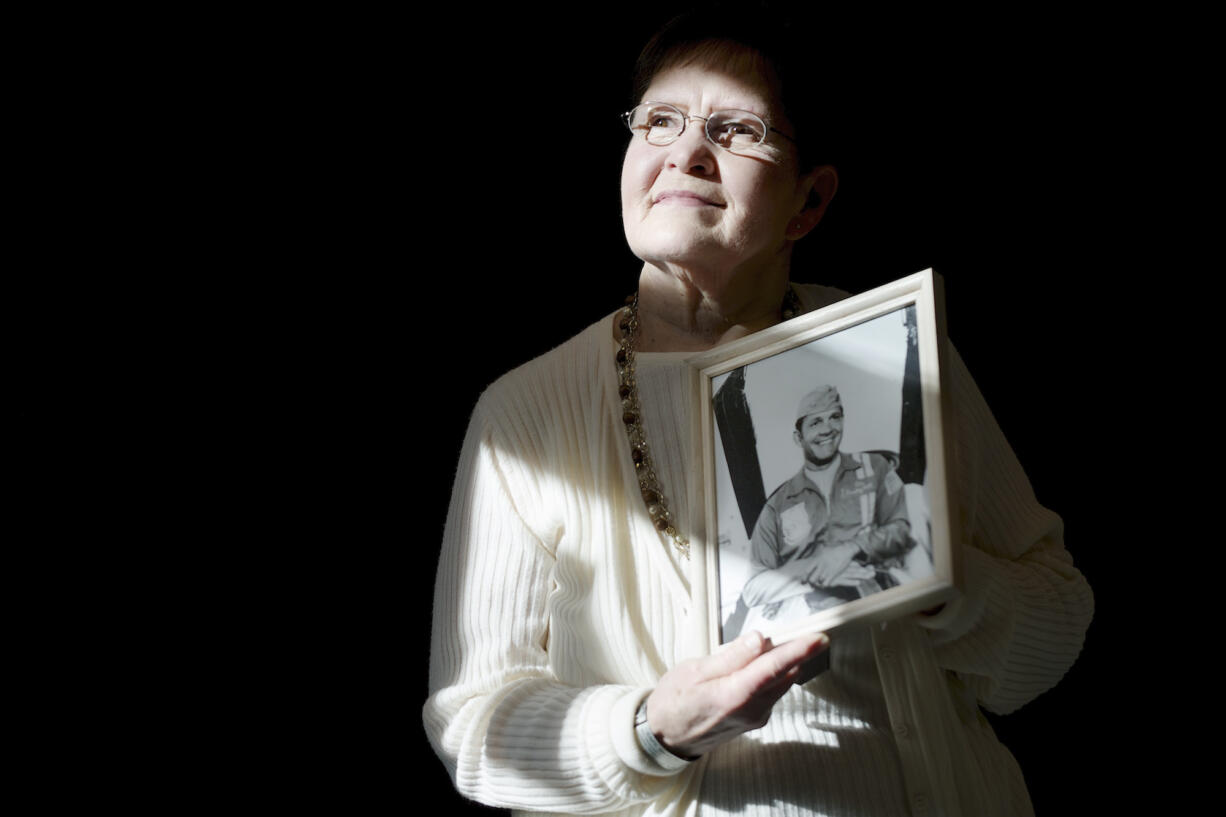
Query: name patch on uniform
<point>795,526</point>
<point>892,482</point>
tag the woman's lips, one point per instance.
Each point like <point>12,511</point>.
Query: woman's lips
<point>683,198</point>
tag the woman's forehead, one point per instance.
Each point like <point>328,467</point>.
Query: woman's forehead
<point>720,85</point>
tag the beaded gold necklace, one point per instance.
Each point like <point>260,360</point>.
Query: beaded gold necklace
<point>632,418</point>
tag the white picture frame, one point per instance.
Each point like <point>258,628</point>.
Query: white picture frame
<point>883,352</point>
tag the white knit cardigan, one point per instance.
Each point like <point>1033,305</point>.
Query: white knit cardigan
<point>558,607</point>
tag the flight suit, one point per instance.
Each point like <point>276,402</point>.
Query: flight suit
<point>867,505</point>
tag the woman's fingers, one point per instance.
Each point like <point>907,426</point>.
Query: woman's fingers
<point>779,667</point>
<point>701,703</point>
<point>753,690</point>
<point>734,656</point>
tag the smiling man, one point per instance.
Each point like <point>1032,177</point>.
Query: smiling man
<point>826,535</point>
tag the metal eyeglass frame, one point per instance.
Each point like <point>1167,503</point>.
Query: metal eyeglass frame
<point>685,120</point>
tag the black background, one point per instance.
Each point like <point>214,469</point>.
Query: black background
<point>993,149</point>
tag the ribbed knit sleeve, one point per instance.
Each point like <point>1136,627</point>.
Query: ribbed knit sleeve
<point>509,731</point>
<point>1023,618</point>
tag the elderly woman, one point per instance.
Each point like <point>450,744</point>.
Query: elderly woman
<point>564,676</point>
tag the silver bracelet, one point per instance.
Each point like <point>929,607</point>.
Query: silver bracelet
<point>654,749</point>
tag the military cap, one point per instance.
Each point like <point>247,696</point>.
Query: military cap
<point>823,398</point>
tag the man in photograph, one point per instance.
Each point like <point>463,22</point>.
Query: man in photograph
<point>828,534</point>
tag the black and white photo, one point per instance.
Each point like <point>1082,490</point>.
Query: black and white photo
<point>821,482</point>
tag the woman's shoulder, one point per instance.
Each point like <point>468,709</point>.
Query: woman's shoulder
<point>569,371</point>
<point>815,296</point>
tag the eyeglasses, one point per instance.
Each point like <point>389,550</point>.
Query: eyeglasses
<point>662,124</point>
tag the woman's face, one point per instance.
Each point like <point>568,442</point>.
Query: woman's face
<point>697,205</point>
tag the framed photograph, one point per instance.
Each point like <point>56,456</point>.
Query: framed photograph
<point>825,460</point>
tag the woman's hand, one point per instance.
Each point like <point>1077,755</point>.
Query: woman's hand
<point>704,702</point>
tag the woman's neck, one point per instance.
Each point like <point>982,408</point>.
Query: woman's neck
<point>679,313</point>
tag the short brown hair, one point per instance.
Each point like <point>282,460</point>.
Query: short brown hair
<point>741,36</point>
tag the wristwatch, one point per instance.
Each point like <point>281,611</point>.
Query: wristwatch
<point>649,744</point>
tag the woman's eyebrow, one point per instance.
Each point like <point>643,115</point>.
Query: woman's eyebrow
<point>766,117</point>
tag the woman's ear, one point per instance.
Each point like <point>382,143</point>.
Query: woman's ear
<point>818,186</point>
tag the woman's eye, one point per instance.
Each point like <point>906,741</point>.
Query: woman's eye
<point>737,133</point>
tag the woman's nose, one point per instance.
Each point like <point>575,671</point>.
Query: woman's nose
<point>693,152</point>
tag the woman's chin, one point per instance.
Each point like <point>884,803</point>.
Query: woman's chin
<point>681,250</point>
